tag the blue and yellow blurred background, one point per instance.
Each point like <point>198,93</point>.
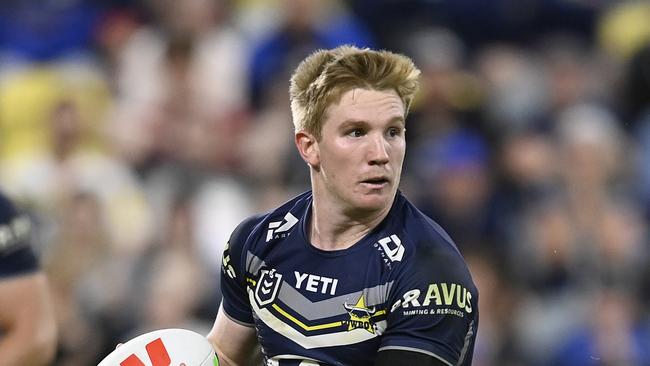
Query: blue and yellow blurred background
<point>137,134</point>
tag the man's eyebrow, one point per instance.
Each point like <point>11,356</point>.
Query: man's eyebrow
<point>398,119</point>
<point>354,122</point>
<point>363,123</point>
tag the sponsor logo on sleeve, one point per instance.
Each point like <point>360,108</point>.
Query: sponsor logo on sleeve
<point>437,299</point>
<point>226,265</point>
<point>391,249</point>
<point>14,233</point>
<point>279,229</point>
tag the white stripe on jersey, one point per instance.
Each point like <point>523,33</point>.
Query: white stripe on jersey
<point>316,341</point>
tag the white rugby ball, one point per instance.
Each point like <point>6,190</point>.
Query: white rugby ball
<point>165,347</point>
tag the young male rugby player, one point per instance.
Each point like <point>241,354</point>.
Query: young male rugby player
<point>350,272</point>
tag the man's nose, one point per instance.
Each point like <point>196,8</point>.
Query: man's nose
<point>378,153</point>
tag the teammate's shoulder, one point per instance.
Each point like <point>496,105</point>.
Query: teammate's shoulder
<point>16,254</point>
<point>7,209</point>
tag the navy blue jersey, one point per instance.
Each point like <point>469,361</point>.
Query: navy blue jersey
<point>404,286</point>
<point>16,256</point>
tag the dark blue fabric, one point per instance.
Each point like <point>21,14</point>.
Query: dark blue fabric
<point>16,256</point>
<point>427,303</point>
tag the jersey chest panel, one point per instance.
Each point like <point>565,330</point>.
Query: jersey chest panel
<point>315,304</point>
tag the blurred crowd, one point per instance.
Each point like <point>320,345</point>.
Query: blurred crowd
<point>137,134</point>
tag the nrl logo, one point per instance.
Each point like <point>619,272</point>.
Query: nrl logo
<point>360,316</point>
<point>267,286</point>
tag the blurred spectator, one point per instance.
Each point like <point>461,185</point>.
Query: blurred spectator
<point>179,82</point>
<point>305,26</point>
<point>173,266</point>
<point>29,97</point>
<point>568,70</point>
<point>592,148</point>
<point>612,335</point>
<point>51,179</point>
<point>515,85</point>
<point>82,230</point>
<point>450,92</point>
<point>456,171</point>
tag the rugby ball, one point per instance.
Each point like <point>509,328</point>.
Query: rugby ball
<point>165,347</point>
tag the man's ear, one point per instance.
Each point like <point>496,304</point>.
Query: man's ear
<point>308,148</point>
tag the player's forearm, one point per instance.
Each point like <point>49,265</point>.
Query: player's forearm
<point>28,335</point>
<point>226,358</point>
<point>234,343</point>
<point>23,350</point>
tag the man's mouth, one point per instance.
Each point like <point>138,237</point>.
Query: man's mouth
<point>377,182</point>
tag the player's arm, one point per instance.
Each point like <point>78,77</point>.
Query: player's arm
<point>433,318</point>
<point>27,324</point>
<point>406,358</point>
<point>233,335</point>
<point>233,342</point>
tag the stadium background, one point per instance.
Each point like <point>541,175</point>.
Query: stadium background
<point>137,134</point>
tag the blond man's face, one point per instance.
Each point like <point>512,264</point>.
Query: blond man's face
<point>361,150</point>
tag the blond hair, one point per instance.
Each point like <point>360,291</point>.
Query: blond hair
<point>323,77</point>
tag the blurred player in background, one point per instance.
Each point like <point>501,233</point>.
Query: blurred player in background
<point>27,324</point>
<point>349,273</point>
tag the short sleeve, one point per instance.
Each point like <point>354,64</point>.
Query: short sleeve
<point>434,307</point>
<point>19,262</point>
<point>16,255</point>
<point>233,282</point>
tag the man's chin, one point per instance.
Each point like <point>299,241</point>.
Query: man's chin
<point>373,202</point>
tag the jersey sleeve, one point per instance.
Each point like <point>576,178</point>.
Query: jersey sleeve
<point>16,255</point>
<point>233,281</point>
<point>434,307</point>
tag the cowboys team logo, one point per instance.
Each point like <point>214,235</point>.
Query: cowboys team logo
<point>278,229</point>
<point>267,286</point>
<point>360,316</point>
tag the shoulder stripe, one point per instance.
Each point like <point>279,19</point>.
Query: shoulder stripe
<point>342,338</point>
<point>468,339</point>
<point>319,326</point>
<point>303,325</point>
<point>330,307</point>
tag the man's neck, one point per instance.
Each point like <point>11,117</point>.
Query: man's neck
<point>332,228</point>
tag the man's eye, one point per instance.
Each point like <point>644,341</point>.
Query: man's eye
<point>355,133</point>
<point>394,132</point>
